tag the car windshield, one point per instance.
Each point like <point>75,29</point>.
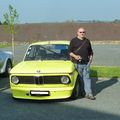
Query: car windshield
<point>47,52</point>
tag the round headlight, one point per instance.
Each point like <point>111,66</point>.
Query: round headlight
<point>65,80</point>
<point>15,80</point>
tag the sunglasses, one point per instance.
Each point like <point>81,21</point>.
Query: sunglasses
<point>82,32</point>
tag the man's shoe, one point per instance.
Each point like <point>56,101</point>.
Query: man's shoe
<point>91,97</point>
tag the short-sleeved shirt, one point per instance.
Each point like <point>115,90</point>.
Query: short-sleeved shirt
<point>85,51</point>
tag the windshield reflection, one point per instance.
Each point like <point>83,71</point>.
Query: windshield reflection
<point>47,52</point>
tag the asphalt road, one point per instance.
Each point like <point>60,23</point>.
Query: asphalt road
<point>105,107</point>
<point>106,54</point>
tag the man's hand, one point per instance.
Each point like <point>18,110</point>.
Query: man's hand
<point>77,57</point>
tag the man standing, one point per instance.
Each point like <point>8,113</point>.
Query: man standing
<point>81,51</point>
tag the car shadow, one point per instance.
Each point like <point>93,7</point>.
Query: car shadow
<point>4,83</point>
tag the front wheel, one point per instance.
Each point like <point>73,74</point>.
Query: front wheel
<point>76,90</point>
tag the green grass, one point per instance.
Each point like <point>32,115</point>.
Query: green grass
<point>3,45</point>
<point>105,71</point>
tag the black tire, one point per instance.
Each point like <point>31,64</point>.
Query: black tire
<point>76,90</point>
<point>8,67</point>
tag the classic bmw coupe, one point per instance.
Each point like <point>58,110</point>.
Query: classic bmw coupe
<point>46,72</point>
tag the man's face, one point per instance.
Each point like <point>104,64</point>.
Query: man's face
<point>81,33</point>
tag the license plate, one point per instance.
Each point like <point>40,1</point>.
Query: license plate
<point>39,93</point>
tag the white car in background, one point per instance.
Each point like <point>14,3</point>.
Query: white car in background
<point>6,59</point>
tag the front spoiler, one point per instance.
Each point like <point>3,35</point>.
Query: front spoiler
<point>23,93</point>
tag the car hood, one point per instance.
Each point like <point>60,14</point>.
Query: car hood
<point>44,67</point>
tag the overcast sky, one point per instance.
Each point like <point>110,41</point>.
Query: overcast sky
<point>37,11</point>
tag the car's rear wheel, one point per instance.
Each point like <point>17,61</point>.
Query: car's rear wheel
<point>76,90</point>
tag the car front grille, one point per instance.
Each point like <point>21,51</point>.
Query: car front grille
<point>39,80</point>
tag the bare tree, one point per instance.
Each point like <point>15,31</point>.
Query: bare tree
<point>10,19</point>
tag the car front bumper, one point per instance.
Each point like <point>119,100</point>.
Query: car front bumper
<point>41,93</point>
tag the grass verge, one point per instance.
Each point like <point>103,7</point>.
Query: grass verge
<point>3,45</point>
<point>105,71</point>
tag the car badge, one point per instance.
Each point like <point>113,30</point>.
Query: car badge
<point>38,71</point>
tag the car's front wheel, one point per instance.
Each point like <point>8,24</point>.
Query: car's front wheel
<point>76,90</point>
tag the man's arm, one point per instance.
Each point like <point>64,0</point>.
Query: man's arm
<point>90,59</point>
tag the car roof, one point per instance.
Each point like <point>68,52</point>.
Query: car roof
<point>51,42</point>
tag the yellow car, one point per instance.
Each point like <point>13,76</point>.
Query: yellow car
<point>46,72</point>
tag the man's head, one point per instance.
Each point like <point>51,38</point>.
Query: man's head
<point>81,33</point>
